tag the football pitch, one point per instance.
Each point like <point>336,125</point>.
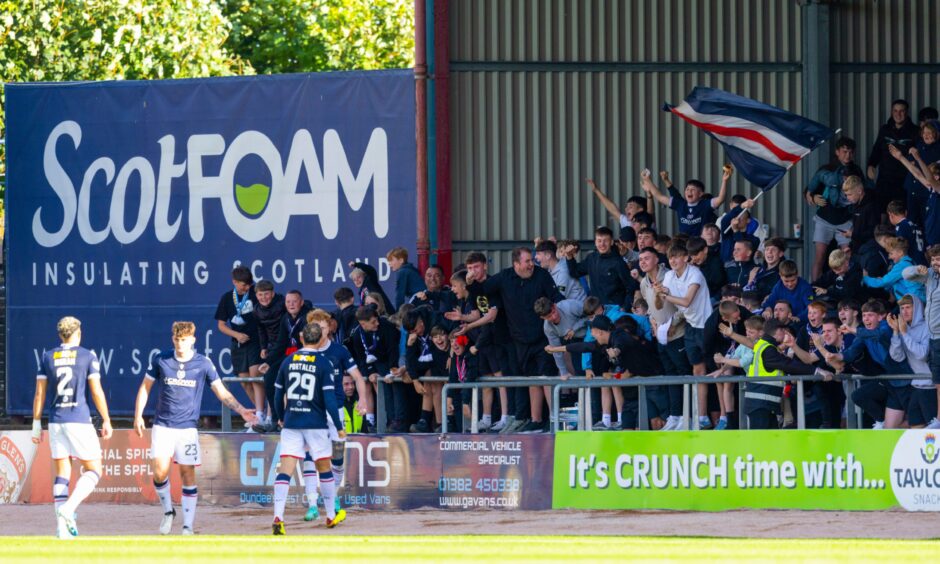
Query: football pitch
<point>483,548</point>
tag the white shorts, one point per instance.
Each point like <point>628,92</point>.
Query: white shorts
<point>74,440</point>
<point>180,444</point>
<point>295,442</point>
<point>334,436</point>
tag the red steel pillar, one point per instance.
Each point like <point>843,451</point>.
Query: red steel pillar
<point>442,128</point>
<point>421,135</point>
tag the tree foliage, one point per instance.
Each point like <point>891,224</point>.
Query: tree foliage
<point>280,36</point>
<point>59,40</point>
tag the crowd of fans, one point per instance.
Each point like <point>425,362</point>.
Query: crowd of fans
<point>718,297</point>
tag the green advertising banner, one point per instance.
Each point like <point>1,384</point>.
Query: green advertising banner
<point>714,471</point>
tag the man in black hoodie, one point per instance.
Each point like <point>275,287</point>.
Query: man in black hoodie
<point>518,288</point>
<point>900,132</point>
<point>268,313</point>
<point>610,277</point>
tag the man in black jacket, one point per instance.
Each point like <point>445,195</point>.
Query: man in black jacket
<point>374,346</point>
<point>419,360</point>
<point>843,280</point>
<point>739,268</point>
<point>289,328</point>
<point>900,132</point>
<point>518,288</point>
<point>764,278</point>
<point>268,313</point>
<point>345,313</point>
<point>610,277</point>
<point>872,259</point>
<point>439,298</point>
<point>866,213</point>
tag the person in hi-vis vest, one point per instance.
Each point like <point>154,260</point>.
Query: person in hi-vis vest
<point>351,416</point>
<point>761,398</point>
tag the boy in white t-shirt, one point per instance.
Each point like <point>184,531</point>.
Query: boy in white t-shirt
<point>685,287</point>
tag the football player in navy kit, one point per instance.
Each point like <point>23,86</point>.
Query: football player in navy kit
<point>183,374</point>
<point>71,433</point>
<point>305,396</point>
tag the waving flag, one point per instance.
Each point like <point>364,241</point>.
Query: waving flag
<point>761,140</point>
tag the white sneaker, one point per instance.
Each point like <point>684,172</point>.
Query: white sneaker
<point>502,424</point>
<point>166,524</point>
<point>878,425</point>
<point>187,531</point>
<point>934,424</point>
<point>672,423</point>
<point>483,427</point>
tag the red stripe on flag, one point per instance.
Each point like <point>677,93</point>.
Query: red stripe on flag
<point>748,134</point>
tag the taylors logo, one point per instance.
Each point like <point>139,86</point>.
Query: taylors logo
<point>252,211</point>
<point>929,452</point>
<point>915,478</point>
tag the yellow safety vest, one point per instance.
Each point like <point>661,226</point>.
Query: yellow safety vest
<point>355,425</point>
<point>757,366</point>
<point>762,394</point>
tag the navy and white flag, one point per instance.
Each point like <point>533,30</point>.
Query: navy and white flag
<point>761,140</point>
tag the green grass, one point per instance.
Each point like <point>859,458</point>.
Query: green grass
<point>410,549</point>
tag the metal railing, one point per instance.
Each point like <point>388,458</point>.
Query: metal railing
<point>853,413</point>
<point>583,385</point>
<point>226,412</point>
<point>381,421</point>
<point>489,382</point>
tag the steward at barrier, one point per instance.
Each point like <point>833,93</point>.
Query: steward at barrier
<point>762,399</point>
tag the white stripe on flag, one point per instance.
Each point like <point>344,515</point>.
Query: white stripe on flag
<point>754,148</point>
<point>727,121</point>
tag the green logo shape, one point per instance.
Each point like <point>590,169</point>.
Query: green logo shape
<point>252,199</point>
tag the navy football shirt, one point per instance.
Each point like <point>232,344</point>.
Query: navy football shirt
<point>306,380</point>
<point>69,368</point>
<point>342,363</point>
<point>182,385</point>
<point>693,218</point>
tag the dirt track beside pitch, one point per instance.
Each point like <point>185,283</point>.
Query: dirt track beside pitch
<point>108,519</point>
